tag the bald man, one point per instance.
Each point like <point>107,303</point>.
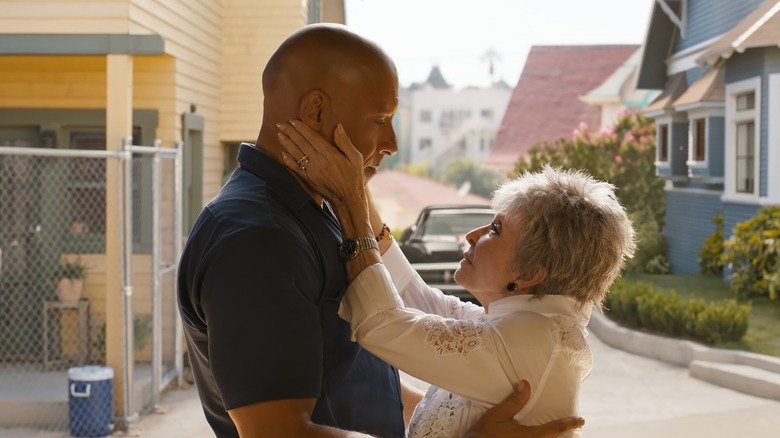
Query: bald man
<point>260,279</point>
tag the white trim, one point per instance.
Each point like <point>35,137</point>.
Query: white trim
<point>705,113</point>
<point>773,141</point>
<point>686,59</point>
<point>701,106</point>
<point>732,90</point>
<point>757,25</point>
<point>692,162</point>
<point>695,191</point>
<point>681,21</point>
<point>749,200</point>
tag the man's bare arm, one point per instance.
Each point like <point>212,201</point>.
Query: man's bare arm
<point>283,419</point>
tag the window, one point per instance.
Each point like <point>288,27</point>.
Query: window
<point>87,184</point>
<point>745,176</point>
<point>86,193</point>
<point>487,113</point>
<point>746,101</point>
<point>698,129</point>
<point>663,143</point>
<point>425,143</point>
<point>743,120</point>
<point>426,116</point>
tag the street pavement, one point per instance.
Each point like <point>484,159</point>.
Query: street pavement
<point>625,396</point>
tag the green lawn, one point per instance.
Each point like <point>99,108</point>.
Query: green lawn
<point>763,334</point>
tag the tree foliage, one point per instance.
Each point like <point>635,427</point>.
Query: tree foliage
<point>461,170</point>
<point>753,254</point>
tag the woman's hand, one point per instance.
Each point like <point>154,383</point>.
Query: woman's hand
<point>334,171</point>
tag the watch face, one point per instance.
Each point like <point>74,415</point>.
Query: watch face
<point>348,249</point>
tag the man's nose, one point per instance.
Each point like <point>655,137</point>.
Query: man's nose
<point>388,145</point>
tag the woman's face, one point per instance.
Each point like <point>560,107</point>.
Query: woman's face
<point>486,268</point>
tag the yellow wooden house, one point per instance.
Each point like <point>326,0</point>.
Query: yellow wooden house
<point>86,75</point>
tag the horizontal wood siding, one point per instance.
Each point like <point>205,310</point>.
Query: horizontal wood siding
<point>736,213</point>
<point>688,223</point>
<point>79,82</point>
<point>252,31</point>
<point>708,19</point>
<point>192,30</point>
<point>64,16</point>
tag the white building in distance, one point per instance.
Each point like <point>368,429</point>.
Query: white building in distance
<point>446,123</point>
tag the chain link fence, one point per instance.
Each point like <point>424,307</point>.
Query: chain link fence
<point>53,274</point>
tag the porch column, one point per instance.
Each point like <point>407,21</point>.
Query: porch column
<point>119,124</point>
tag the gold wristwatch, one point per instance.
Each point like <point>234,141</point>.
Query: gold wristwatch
<point>350,248</point>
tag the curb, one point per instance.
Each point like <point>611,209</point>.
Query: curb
<point>751,373</point>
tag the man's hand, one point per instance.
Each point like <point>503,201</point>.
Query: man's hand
<point>498,422</point>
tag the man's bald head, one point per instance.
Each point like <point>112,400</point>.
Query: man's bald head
<point>326,75</point>
<point>328,57</point>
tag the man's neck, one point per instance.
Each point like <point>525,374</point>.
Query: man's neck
<point>274,149</point>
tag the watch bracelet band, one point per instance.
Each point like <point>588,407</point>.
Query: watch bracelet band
<point>364,243</point>
<point>350,248</point>
<point>385,234</point>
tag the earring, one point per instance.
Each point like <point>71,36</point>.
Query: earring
<point>511,287</point>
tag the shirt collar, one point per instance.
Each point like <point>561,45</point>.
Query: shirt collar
<point>548,305</point>
<point>279,179</point>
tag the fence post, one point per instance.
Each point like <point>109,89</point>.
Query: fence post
<point>157,302</point>
<point>127,277</point>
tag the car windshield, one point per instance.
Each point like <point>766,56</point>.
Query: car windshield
<point>451,226</point>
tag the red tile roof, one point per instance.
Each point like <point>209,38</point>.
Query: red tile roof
<point>545,104</point>
<point>415,193</point>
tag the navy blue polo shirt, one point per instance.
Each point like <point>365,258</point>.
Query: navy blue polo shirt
<point>260,283</point>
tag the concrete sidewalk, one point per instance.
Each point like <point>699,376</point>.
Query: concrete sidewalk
<point>626,396</point>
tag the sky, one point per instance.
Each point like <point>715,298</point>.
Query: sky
<point>456,34</point>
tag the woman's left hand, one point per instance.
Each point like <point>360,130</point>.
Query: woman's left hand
<point>334,171</point>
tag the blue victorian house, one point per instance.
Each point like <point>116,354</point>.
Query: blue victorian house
<point>718,116</point>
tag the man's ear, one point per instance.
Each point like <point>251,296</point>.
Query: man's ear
<point>314,105</point>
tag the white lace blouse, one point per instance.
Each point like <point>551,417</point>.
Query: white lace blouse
<point>471,358</point>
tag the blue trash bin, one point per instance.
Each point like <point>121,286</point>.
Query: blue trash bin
<point>91,400</point>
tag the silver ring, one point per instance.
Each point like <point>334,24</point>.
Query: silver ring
<point>303,163</point>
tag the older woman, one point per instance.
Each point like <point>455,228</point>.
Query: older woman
<point>556,244</point>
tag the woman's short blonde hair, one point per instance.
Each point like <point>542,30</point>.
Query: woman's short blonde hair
<point>571,225</point>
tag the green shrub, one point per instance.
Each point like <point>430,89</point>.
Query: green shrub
<point>711,252</point>
<point>622,301</point>
<point>723,323</point>
<point>641,305</point>
<point>753,254</point>
<point>657,265</point>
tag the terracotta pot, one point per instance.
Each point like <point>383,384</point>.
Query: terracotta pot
<point>69,289</point>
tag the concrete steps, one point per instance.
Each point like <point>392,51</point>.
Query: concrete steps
<point>744,378</point>
<point>751,373</point>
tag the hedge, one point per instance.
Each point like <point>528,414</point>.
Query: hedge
<point>641,305</point>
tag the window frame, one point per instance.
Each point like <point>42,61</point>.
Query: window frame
<point>662,143</point>
<point>735,118</point>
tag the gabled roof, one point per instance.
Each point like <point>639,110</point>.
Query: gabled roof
<point>759,29</point>
<point>415,192</point>
<point>545,104</point>
<point>657,47</point>
<point>666,100</point>
<point>710,90</point>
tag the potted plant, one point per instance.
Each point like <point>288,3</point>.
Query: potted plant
<point>70,279</point>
